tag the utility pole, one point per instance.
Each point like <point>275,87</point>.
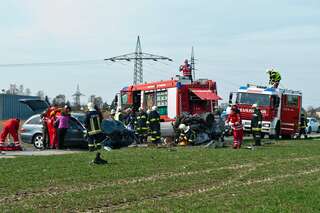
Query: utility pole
<point>138,57</point>
<point>193,68</point>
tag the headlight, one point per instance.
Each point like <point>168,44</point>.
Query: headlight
<point>266,125</point>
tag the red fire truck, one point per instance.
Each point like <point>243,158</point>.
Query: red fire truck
<point>280,108</point>
<point>172,97</point>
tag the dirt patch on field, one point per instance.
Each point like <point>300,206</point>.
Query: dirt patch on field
<point>4,156</point>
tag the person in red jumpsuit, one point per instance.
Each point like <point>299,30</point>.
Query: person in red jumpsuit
<point>11,127</point>
<point>186,69</point>
<point>53,140</point>
<point>236,125</point>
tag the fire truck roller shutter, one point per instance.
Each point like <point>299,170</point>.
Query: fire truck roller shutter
<point>207,95</point>
<point>172,102</point>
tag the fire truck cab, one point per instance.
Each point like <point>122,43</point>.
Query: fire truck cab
<point>172,97</point>
<point>280,108</point>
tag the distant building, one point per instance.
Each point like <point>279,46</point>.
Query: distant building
<point>10,107</point>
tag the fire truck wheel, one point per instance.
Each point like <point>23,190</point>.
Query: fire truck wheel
<point>277,134</point>
<point>287,137</point>
<point>263,135</point>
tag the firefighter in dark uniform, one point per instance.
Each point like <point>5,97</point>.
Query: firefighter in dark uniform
<point>274,77</point>
<point>45,133</point>
<point>94,131</point>
<point>256,124</point>
<point>303,126</point>
<point>141,128</point>
<point>93,126</point>
<point>154,125</point>
<point>140,125</point>
<point>187,135</point>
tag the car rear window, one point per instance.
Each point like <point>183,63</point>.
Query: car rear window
<point>35,121</point>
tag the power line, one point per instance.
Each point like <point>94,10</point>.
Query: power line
<point>56,63</point>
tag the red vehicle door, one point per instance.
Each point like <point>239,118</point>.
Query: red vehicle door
<point>290,111</point>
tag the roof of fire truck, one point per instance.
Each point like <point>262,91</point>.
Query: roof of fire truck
<point>250,88</point>
<point>169,84</point>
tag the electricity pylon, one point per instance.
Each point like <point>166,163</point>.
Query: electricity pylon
<point>138,57</point>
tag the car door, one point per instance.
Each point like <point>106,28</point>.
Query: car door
<point>291,106</point>
<point>75,134</point>
<point>314,125</point>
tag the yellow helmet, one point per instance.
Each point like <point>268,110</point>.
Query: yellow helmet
<point>53,113</point>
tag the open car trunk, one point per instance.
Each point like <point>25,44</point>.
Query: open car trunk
<point>36,105</point>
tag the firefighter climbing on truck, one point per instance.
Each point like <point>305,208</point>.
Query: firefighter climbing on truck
<point>186,70</point>
<point>274,78</point>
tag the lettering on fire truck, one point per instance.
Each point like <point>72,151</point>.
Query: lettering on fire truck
<point>263,111</point>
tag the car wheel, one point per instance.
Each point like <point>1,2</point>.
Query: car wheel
<point>318,131</point>
<point>38,141</point>
<point>309,130</point>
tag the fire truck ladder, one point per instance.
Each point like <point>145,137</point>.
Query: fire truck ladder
<point>138,57</point>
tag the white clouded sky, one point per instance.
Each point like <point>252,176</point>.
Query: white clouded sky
<point>235,41</point>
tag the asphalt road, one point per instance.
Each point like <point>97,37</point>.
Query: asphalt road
<point>29,150</point>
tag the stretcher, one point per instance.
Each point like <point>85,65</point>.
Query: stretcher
<point>9,147</point>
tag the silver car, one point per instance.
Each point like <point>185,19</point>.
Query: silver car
<point>31,130</point>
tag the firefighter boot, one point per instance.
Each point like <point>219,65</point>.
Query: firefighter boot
<point>235,145</point>
<point>99,160</point>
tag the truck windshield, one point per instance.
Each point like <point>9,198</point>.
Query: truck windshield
<point>124,99</point>
<point>252,98</point>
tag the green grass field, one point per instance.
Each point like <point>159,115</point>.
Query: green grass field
<point>281,177</point>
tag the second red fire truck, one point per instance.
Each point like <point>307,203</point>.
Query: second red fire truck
<point>280,108</point>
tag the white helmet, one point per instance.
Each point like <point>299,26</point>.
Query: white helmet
<point>154,108</point>
<point>113,112</point>
<point>90,106</point>
<point>182,126</point>
<point>254,105</point>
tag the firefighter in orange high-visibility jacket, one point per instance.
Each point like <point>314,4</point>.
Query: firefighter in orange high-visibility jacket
<point>11,127</point>
<point>236,125</point>
<point>154,125</point>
